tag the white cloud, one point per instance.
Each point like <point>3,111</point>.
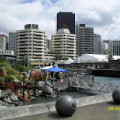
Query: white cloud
<point>100,14</point>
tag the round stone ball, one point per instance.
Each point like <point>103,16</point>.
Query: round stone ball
<point>116,96</point>
<point>65,105</point>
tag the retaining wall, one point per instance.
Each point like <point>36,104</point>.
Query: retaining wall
<point>34,109</point>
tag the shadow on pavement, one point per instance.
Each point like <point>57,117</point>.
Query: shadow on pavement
<point>112,103</point>
<point>56,115</point>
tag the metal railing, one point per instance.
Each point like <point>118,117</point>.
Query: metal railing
<point>88,82</point>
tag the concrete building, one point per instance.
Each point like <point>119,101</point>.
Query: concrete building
<point>97,44</point>
<point>115,47</point>
<point>12,44</point>
<point>85,39</point>
<point>7,52</point>
<point>105,47</point>
<point>49,55</point>
<point>64,43</point>
<point>31,43</point>
<point>66,19</point>
<point>3,41</point>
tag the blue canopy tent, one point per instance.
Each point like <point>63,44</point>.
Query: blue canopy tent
<point>55,69</point>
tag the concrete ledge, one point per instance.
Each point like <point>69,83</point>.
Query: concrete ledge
<point>93,99</point>
<point>28,110</point>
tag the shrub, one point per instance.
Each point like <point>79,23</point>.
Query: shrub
<point>8,78</point>
<point>21,68</point>
<point>1,79</point>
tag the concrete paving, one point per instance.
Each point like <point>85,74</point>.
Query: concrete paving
<point>98,111</point>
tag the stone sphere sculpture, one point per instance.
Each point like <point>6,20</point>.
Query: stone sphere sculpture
<point>116,96</point>
<point>65,105</point>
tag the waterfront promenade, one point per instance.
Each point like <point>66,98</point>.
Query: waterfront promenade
<point>99,111</point>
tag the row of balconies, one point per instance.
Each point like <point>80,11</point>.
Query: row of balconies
<point>63,38</point>
<point>70,45</point>
<point>32,53</point>
<point>30,43</point>
<point>31,46</point>
<point>74,41</point>
<point>64,49</point>
<point>30,32</point>
<point>30,39</point>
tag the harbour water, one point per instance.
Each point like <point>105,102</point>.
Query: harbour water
<point>106,79</point>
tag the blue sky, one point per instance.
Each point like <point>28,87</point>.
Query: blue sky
<point>103,15</point>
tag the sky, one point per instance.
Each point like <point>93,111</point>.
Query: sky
<point>103,15</point>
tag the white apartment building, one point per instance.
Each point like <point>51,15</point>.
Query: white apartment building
<point>7,52</point>
<point>64,43</point>
<point>85,39</point>
<point>31,43</point>
<point>3,41</point>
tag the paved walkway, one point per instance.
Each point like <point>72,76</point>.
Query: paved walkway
<point>92,112</point>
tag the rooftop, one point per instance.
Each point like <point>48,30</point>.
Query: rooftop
<point>63,30</point>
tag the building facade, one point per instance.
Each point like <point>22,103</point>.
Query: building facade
<point>64,43</point>
<point>31,43</point>
<point>48,43</point>
<point>97,44</point>
<point>3,41</point>
<point>66,19</point>
<point>12,44</point>
<point>85,39</point>
<point>7,52</point>
<point>105,47</point>
<point>115,47</point>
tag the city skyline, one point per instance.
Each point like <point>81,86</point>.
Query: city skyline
<point>102,15</point>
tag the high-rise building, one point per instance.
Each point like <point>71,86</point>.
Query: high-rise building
<point>12,44</point>
<point>66,20</point>
<point>3,41</point>
<point>64,43</point>
<point>85,39</point>
<point>31,43</point>
<point>97,44</point>
<point>115,47</point>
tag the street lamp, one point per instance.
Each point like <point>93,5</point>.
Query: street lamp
<point>23,83</point>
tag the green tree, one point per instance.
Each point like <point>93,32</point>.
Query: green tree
<point>110,57</point>
<point>24,61</point>
<point>57,57</point>
<point>65,58</point>
<point>64,26</point>
<point>21,68</point>
<point>2,58</point>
